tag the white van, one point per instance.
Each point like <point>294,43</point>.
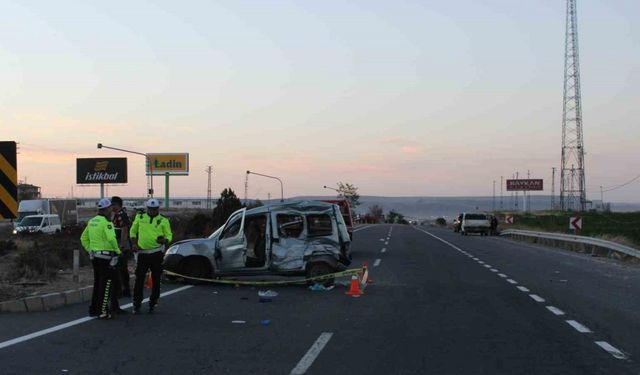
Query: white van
<point>47,224</point>
<point>475,223</point>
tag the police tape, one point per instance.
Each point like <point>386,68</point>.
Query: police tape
<point>350,272</point>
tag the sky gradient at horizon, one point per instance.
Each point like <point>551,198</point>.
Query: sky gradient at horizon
<point>407,98</point>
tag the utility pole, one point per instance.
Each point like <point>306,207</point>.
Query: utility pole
<point>553,188</point>
<point>572,181</point>
<point>494,196</point>
<point>501,195</point>
<point>246,188</point>
<point>528,193</point>
<point>208,170</point>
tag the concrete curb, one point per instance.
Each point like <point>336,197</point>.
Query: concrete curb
<point>48,302</point>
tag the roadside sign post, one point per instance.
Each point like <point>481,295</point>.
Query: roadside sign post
<point>167,164</point>
<point>8,181</point>
<point>508,219</point>
<point>525,185</point>
<point>166,190</point>
<point>575,223</point>
<point>101,171</point>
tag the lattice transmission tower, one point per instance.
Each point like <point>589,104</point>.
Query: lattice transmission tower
<point>572,180</point>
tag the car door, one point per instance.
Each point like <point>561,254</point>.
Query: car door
<point>232,243</point>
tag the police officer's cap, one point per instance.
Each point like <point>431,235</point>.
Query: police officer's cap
<point>153,203</point>
<point>104,203</point>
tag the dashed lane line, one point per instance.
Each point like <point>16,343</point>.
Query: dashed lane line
<point>312,354</point>
<point>612,350</point>
<point>384,250</point>
<point>615,352</point>
<point>579,327</point>
<point>555,310</point>
<point>377,262</point>
<point>536,298</point>
<point>72,323</point>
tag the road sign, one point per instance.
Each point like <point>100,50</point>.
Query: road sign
<point>525,185</point>
<point>508,219</point>
<point>8,181</point>
<point>101,171</point>
<point>174,164</point>
<point>575,223</point>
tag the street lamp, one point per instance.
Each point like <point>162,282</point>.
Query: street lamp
<point>150,181</point>
<point>330,188</point>
<point>275,178</point>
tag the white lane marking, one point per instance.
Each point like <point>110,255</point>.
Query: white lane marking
<point>579,327</point>
<point>382,239</point>
<point>474,258</point>
<point>502,275</point>
<point>72,323</point>
<point>362,228</point>
<point>494,270</point>
<point>386,243</point>
<point>384,250</point>
<point>523,289</point>
<point>487,266</point>
<point>555,310</point>
<point>440,239</point>
<point>377,262</point>
<point>512,281</point>
<point>615,352</point>
<point>312,354</point>
<point>536,298</point>
<point>481,262</point>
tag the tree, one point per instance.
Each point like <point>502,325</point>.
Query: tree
<point>227,204</point>
<point>376,213</point>
<point>254,204</point>
<point>350,193</point>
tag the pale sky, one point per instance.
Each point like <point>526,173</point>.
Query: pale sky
<point>401,98</point>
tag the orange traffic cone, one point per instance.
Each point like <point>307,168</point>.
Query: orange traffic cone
<point>354,290</point>
<point>149,282</point>
<point>365,273</point>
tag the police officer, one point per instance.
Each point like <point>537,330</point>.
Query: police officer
<point>122,225</point>
<point>99,240</point>
<point>150,232</point>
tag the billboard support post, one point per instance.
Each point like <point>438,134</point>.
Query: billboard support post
<point>101,190</point>
<point>166,190</point>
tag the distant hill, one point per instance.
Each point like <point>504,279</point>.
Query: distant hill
<point>448,207</point>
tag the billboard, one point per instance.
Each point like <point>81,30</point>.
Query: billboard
<point>101,171</point>
<point>172,163</point>
<point>8,181</point>
<point>525,185</point>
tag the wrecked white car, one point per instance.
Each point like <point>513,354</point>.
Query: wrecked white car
<point>307,238</point>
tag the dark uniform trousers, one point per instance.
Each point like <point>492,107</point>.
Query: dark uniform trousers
<point>103,284</point>
<point>123,273</point>
<point>146,262</point>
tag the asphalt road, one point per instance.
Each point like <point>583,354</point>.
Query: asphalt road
<point>439,303</point>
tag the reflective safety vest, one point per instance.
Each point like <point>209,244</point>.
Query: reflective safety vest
<point>147,229</point>
<point>99,235</point>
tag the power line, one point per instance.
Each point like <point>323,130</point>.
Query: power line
<point>622,185</point>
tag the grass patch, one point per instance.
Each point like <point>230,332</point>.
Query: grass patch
<point>621,227</point>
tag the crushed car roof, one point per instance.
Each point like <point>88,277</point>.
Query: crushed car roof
<point>301,206</point>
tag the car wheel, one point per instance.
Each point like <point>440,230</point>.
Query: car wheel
<point>197,268</point>
<point>320,269</point>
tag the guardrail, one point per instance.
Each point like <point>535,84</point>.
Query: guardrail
<point>582,241</point>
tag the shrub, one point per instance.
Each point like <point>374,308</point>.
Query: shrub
<point>441,222</point>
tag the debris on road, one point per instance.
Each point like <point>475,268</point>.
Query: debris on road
<point>267,295</point>
<point>320,288</point>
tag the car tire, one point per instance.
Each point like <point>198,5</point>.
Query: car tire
<point>195,267</point>
<point>320,269</point>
